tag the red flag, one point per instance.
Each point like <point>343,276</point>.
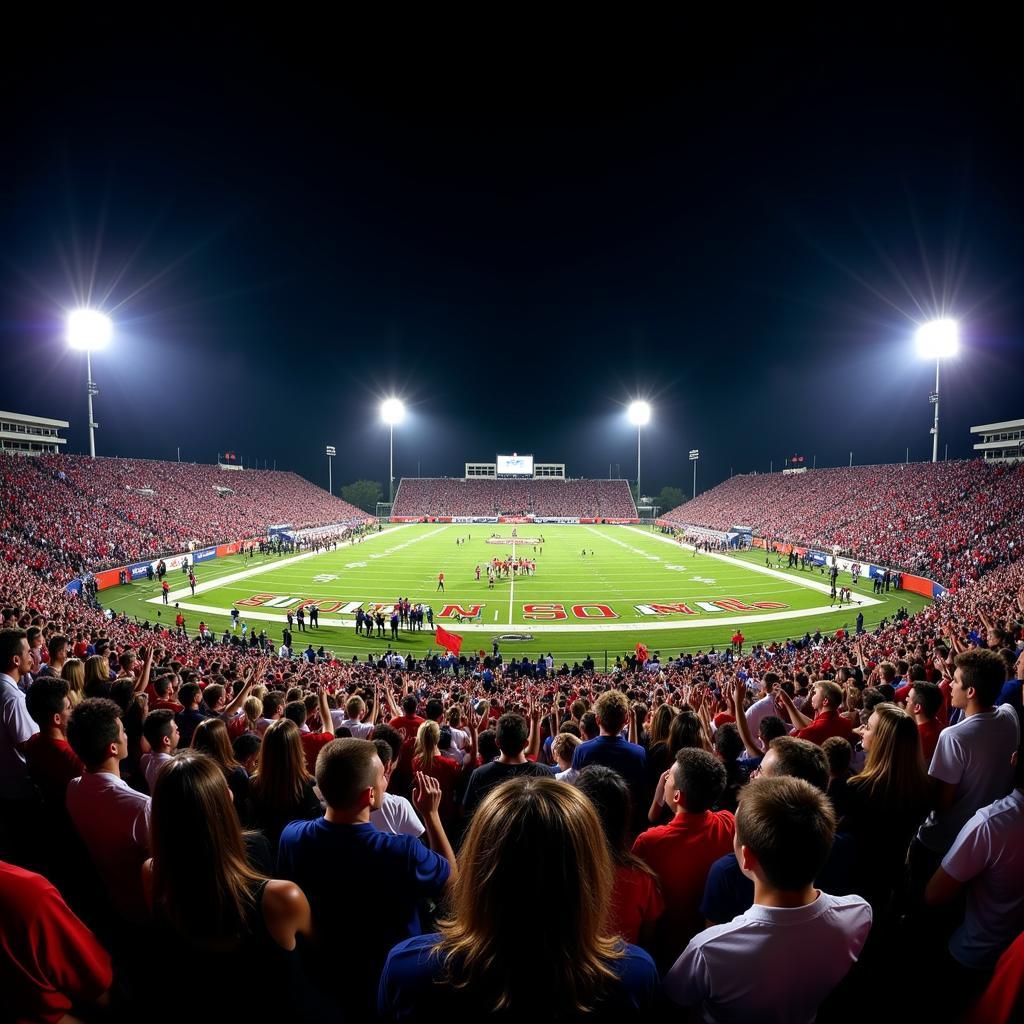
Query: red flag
<point>450,641</point>
<point>641,653</point>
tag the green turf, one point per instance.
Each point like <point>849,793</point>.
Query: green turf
<point>623,570</point>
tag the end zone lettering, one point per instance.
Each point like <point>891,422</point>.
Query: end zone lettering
<point>725,604</point>
<point>544,611</point>
<point>593,611</point>
<point>450,610</point>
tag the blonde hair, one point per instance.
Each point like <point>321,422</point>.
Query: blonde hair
<point>252,707</point>
<point>487,943</point>
<point>428,736</point>
<point>73,672</point>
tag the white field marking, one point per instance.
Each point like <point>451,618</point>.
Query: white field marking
<point>623,544</point>
<point>824,588</point>
<point>512,587</point>
<point>593,627</point>
<point>278,563</point>
<point>589,627</point>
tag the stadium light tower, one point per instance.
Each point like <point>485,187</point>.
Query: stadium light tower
<point>640,415</point>
<point>938,340</point>
<point>391,412</point>
<point>91,330</point>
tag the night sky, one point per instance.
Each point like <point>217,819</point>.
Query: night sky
<point>517,228</point>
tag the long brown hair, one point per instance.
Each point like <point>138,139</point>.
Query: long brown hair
<point>661,722</point>
<point>202,881</point>
<point>488,942</point>
<point>281,774</point>
<point>211,737</point>
<point>894,773</point>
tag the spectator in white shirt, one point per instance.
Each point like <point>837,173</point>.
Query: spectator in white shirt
<point>802,940</point>
<point>987,857</point>
<point>19,805</point>
<point>563,746</point>
<point>111,818</point>
<point>161,732</point>
<point>352,717</point>
<point>273,709</point>
<point>971,766</point>
<point>16,725</point>
<point>395,814</point>
<point>763,706</point>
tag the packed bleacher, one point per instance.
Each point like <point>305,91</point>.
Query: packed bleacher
<point>583,499</point>
<point>107,512</point>
<point>949,521</point>
<point>747,833</point>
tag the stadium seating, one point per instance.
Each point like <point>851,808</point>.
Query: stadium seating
<point>58,515</point>
<point>107,512</point>
<point>950,521</point>
<point>569,498</point>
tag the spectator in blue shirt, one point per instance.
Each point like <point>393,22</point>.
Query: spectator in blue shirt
<point>612,751</point>
<point>326,857</point>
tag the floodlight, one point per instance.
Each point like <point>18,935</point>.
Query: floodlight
<point>938,339</point>
<point>89,329</point>
<point>392,411</point>
<point>639,413</point>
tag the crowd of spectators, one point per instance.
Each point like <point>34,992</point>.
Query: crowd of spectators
<point>106,512</point>
<point>750,835</point>
<point>574,499</point>
<point>948,521</point>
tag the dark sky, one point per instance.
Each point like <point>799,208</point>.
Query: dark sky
<point>517,227</point>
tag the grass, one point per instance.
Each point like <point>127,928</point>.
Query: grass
<point>624,572</point>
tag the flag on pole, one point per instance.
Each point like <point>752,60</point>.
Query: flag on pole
<point>450,641</point>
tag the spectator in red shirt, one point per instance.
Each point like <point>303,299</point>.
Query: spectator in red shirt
<point>636,898</point>
<point>52,764</point>
<point>165,687</point>
<point>429,760</point>
<point>923,702</point>
<point>50,963</point>
<point>682,852</point>
<point>312,742</point>
<point>407,725</point>
<point>826,702</point>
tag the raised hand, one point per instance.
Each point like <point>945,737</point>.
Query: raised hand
<point>426,794</point>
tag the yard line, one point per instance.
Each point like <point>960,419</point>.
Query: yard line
<point>512,587</point>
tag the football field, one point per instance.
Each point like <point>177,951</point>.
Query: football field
<point>595,590</point>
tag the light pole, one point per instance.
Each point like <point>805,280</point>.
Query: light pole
<point>639,414</point>
<point>938,340</point>
<point>90,330</point>
<point>694,456</point>
<point>391,412</point>
<point>330,475</point>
